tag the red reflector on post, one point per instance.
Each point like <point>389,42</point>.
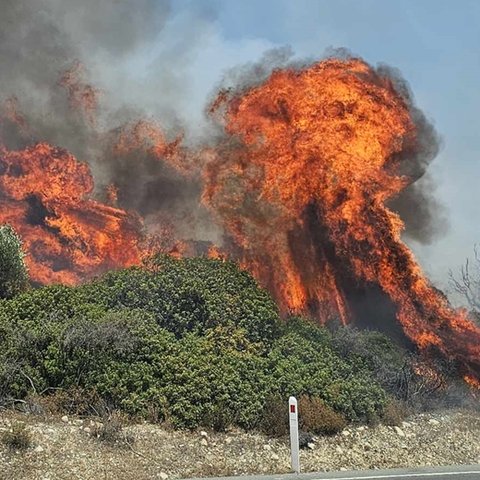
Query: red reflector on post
<point>292,408</point>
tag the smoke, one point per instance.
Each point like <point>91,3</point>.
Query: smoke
<point>243,77</point>
<point>40,40</point>
<point>424,216</point>
<point>100,43</point>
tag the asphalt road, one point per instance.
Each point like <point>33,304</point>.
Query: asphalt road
<point>470,472</point>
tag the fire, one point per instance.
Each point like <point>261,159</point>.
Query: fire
<point>299,183</point>
<point>215,253</point>
<point>83,97</point>
<point>472,381</point>
<point>148,136</point>
<point>68,236</point>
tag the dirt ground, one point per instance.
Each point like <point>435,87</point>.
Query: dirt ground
<point>70,448</point>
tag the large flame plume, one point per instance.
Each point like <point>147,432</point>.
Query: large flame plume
<point>302,184</point>
<point>299,182</point>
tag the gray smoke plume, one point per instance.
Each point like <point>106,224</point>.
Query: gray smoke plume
<point>42,39</point>
<point>423,215</point>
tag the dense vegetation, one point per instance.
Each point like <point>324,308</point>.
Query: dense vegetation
<point>194,342</point>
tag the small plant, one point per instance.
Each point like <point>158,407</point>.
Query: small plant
<point>18,438</point>
<point>13,274</point>
<point>75,401</point>
<point>317,417</point>
<point>274,421</point>
<point>110,430</point>
<point>394,413</point>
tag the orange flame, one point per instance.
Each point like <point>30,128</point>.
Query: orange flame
<point>83,97</point>
<point>68,236</point>
<point>472,381</point>
<point>301,184</point>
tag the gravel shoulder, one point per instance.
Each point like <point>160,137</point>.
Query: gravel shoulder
<point>65,448</point>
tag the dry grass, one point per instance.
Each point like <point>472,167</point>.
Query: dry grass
<point>18,438</point>
<point>394,413</point>
<point>112,430</point>
<point>71,449</point>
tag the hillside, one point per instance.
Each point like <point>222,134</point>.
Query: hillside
<point>194,342</point>
<point>121,375</point>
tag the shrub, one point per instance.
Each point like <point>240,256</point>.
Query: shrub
<point>17,438</point>
<point>373,351</point>
<point>13,272</point>
<point>128,361</point>
<point>317,417</point>
<point>208,381</point>
<point>74,400</point>
<point>111,430</point>
<point>274,422</point>
<point>311,366</point>
<point>193,342</point>
<point>394,412</point>
<point>191,295</point>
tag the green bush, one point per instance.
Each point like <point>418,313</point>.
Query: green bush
<point>13,272</point>
<point>303,361</point>
<point>191,295</point>
<point>32,330</point>
<point>133,364</point>
<point>194,342</point>
<point>215,387</point>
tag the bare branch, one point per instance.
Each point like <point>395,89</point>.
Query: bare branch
<point>467,284</point>
<point>30,380</point>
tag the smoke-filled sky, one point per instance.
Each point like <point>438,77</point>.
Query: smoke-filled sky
<point>165,59</point>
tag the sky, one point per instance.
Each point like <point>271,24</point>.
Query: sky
<point>434,43</point>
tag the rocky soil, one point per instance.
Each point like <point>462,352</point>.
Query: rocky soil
<point>67,448</point>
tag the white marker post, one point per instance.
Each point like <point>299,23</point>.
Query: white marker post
<point>293,414</point>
